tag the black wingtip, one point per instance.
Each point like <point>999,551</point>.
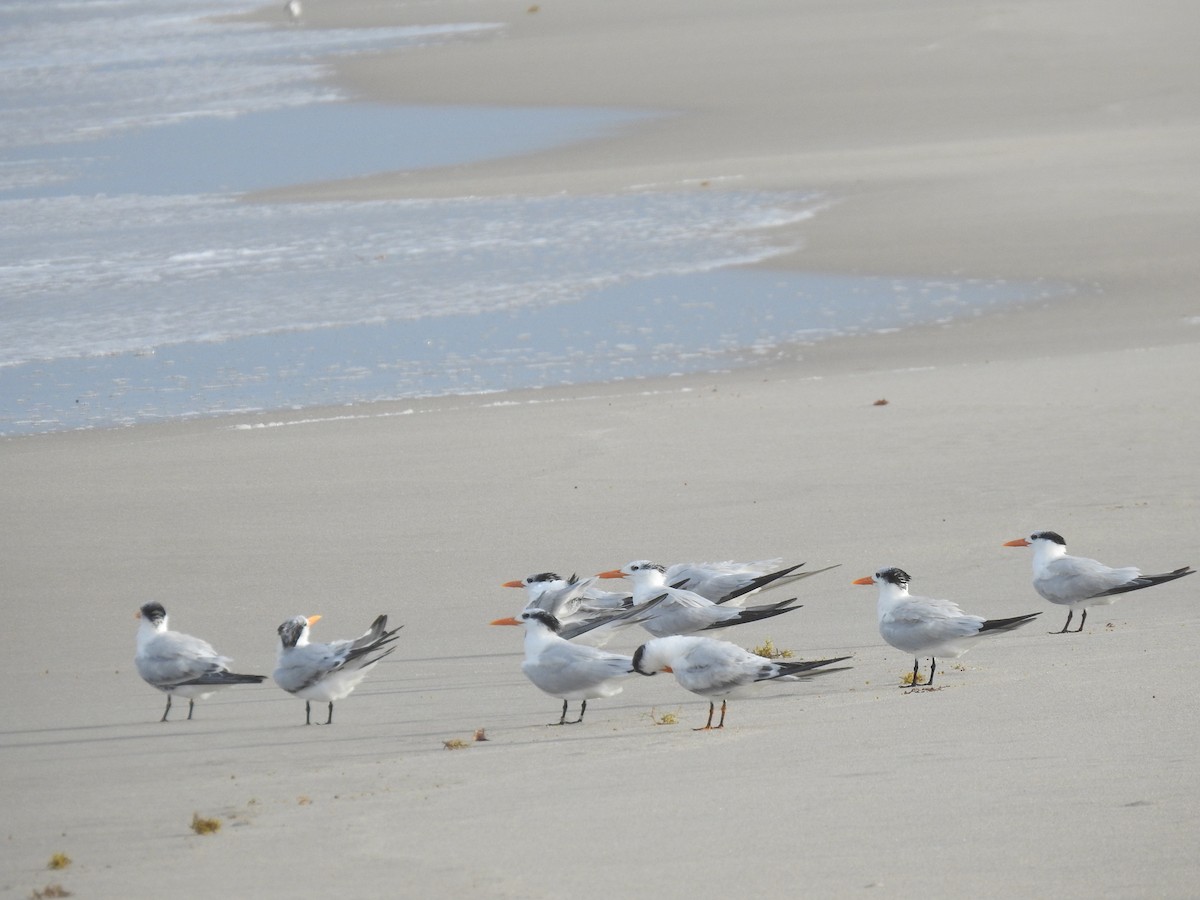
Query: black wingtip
<point>760,582</point>
<point>757,613</point>
<point>1007,624</point>
<point>217,678</point>
<point>1145,581</point>
<point>812,667</point>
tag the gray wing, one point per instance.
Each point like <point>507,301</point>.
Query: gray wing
<point>618,619</point>
<point>566,667</point>
<point>301,667</point>
<point>1077,578</point>
<point>919,622</point>
<point>174,659</point>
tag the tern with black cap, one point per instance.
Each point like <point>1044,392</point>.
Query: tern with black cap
<point>1077,582</point>
<point>179,664</point>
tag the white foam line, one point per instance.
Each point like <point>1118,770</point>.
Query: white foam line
<point>499,404</point>
<point>320,420</point>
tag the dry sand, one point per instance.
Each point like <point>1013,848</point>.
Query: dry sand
<point>1025,140</point>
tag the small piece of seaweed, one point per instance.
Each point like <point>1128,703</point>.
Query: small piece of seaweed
<point>205,826</point>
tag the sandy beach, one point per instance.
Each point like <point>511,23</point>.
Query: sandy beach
<point>1054,142</point>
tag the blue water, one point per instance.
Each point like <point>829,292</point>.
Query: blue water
<point>657,326</point>
<point>135,286</point>
<point>300,144</point>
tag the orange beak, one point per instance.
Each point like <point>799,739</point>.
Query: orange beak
<point>1019,542</point>
<point>138,614</point>
<point>509,621</point>
<point>865,580</point>
<point>313,620</point>
<point>612,573</point>
<point>668,669</point>
<point>513,584</point>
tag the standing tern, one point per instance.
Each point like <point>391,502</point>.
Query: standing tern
<point>712,668</point>
<point>1078,582</point>
<point>327,671</point>
<point>925,626</point>
<point>565,670</point>
<point>686,612</point>
<point>179,664</point>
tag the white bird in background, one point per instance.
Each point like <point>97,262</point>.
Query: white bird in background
<point>582,610</point>
<point>725,582</point>
<point>686,612</point>
<point>565,670</point>
<point>548,589</point>
<point>572,603</point>
<point>327,672</point>
<point>179,664</point>
<point>925,626</point>
<point>712,668</point>
<point>570,600</point>
<point>293,10</point>
<point>1077,582</point>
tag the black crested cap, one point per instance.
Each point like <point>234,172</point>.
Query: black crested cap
<point>543,576</point>
<point>641,566</point>
<point>547,619</point>
<point>638,655</point>
<point>1048,536</point>
<point>290,631</point>
<point>154,611</point>
<point>893,575</point>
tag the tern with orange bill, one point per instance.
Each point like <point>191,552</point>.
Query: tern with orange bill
<point>572,601</point>
<point>327,672</point>
<point>565,670</point>
<point>686,612</point>
<point>710,668</point>
<point>926,626</point>
<point>1077,582</point>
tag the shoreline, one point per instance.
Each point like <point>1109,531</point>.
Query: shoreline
<point>999,200</point>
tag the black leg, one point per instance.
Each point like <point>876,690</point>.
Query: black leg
<point>708,724</point>
<point>1070,612</point>
<point>562,720</point>
<point>307,713</point>
<point>932,669</point>
<point>1082,619</point>
<point>191,706</point>
<point>582,710</point>
<point>167,710</point>
<point>329,721</point>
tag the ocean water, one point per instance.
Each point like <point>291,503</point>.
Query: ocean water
<point>135,286</point>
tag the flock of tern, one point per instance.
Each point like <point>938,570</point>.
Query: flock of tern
<point>678,604</point>
<point>567,622</point>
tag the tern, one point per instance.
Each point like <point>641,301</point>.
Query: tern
<point>686,612</point>
<point>570,600</point>
<point>179,664</point>
<point>723,582</point>
<point>712,668</point>
<point>565,670</point>
<point>330,671</point>
<point>925,626</point>
<point>1077,582</point>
